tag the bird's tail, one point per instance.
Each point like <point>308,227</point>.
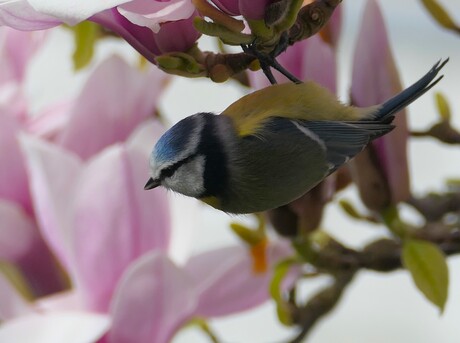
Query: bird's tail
<point>388,109</point>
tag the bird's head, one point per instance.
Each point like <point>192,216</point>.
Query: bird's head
<point>184,159</point>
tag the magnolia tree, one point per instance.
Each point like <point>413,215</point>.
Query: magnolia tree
<point>88,256</point>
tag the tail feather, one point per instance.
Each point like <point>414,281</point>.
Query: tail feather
<point>388,109</point>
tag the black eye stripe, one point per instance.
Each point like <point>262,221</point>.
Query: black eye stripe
<point>169,171</point>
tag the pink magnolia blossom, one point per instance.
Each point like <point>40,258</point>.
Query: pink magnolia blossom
<point>21,245</point>
<point>55,327</point>
<point>375,79</point>
<point>93,211</point>
<point>156,297</point>
<point>16,49</point>
<point>112,238</point>
<point>21,15</point>
<point>152,27</point>
<point>89,124</point>
<point>226,282</point>
<point>96,115</point>
<point>113,102</point>
<point>153,298</point>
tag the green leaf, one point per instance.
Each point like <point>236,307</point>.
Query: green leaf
<point>85,36</point>
<point>279,273</point>
<point>443,107</point>
<point>428,267</point>
<point>440,14</point>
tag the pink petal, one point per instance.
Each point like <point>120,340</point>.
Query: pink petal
<point>114,101</point>
<point>68,327</point>
<point>17,232</point>
<point>12,100</point>
<point>375,79</point>
<point>12,304</point>
<point>153,299</point>
<point>115,221</point>
<point>335,26</point>
<point>20,15</point>
<point>51,121</point>
<point>14,185</point>
<point>144,137</point>
<point>21,245</point>
<point>151,14</point>
<point>139,37</point>
<point>374,72</point>
<point>71,300</point>
<point>312,59</point>
<point>53,176</point>
<point>226,281</point>
<point>253,9</point>
<point>319,63</point>
<point>16,50</point>
<point>177,35</point>
<point>72,12</point>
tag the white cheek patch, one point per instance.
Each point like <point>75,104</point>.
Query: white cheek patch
<point>188,178</point>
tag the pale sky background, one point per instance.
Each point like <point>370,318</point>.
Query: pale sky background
<point>377,307</point>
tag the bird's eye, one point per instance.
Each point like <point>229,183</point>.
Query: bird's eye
<point>168,172</point>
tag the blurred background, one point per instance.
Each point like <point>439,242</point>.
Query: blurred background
<point>376,307</point>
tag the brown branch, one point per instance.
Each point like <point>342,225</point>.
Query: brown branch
<point>434,206</point>
<point>442,131</point>
<point>342,263</point>
<point>311,19</point>
<point>320,304</point>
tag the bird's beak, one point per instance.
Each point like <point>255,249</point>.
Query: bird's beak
<point>151,183</point>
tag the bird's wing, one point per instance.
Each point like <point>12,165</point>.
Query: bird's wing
<point>305,101</point>
<point>273,167</point>
<point>343,140</point>
<point>286,158</point>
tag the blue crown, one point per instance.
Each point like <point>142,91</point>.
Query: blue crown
<point>174,140</point>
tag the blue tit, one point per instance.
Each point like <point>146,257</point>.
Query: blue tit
<point>271,146</point>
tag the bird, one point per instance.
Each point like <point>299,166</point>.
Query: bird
<point>271,146</point>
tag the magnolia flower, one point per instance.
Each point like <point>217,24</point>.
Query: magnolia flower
<point>112,238</point>
<point>152,27</point>
<point>82,184</point>
<point>93,121</point>
<point>21,15</point>
<point>381,172</point>
<point>16,49</point>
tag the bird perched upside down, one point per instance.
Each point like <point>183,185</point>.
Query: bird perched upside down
<point>272,146</point>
